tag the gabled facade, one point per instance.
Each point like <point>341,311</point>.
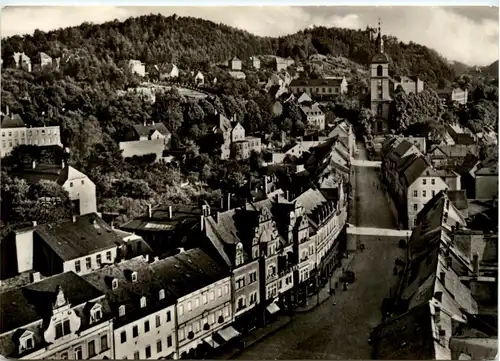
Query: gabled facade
<point>145,139</point>
<point>22,61</point>
<point>60,317</point>
<point>137,67</point>
<point>313,115</point>
<point>254,62</point>
<point>235,63</point>
<point>199,78</point>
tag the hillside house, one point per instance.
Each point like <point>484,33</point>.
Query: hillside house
<point>15,132</point>
<point>319,87</point>
<point>313,115</point>
<point>145,139</point>
<point>164,71</point>
<point>42,61</point>
<point>137,67</point>
<point>410,84</point>
<point>22,61</point>
<point>235,63</point>
<point>199,78</point>
<point>80,188</point>
<point>450,155</point>
<point>454,95</point>
<point>254,62</point>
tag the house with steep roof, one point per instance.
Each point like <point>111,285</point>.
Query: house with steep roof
<point>453,94</point>
<point>42,61</point>
<point>15,132</point>
<point>80,188</point>
<point>142,139</point>
<point>199,78</point>
<point>22,61</point>
<point>254,62</point>
<point>60,317</point>
<point>235,63</point>
<point>313,115</point>
<point>450,155</point>
<point>165,71</point>
<point>394,153</point>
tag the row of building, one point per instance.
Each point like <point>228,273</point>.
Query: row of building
<point>444,305</point>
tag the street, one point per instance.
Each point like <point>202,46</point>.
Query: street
<point>341,331</point>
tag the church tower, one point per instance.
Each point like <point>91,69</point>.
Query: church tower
<point>380,99</point>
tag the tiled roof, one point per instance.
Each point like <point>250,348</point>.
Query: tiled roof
<point>22,306</point>
<point>146,130</point>
<point>453,151</point>
<point>315,82</point>
<point>12,121</point>
<point>310,199</point>
<point>415,170</point>
<point>87,235</point>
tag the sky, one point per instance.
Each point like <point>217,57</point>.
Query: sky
<point>466,34</point>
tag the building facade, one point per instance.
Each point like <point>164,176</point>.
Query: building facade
<point>319,87</point>
<point>313,115</point>
<point>137,67</point>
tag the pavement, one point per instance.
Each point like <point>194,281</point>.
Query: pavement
<point>339,327</point>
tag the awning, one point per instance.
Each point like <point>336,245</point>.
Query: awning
<point>211,342</point>
<point>228,333</point>
<point>272,308</point>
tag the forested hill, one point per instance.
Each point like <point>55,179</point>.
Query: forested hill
<point>191,42</point>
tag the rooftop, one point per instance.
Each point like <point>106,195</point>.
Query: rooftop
<point>12,121</point>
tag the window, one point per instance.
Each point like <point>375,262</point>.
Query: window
<point>241,303</point>
<point>379,70</point>
<point>240,282</point>
<point>415,193</point>
<point>182,334</point>
<point>88,262</point>
<point>26,342</point>
<point>136,355</point>
<point>253,276</point>
<point>146,326</point>
<point>197,302</point>
<point>98,260</point>
<point>169,316</point>
<point>95,313</point>
<point>181,310</point>
<point>83,181</point>
<point>78,353</point>
<point>253,298</point>
<point>91,349</point>
<point>10,134</point>
<point>197,327</point>
<point>121,310</point>
<point>205,298</point>
<point>123,337</point>
<point>135,331</point>
<point>134,276</point>
<point>424,181</point>
<point>189,306</point>
<point>143,302</point>
<point>433,193</point>
<point>78,267</point>
<point>380,110</point>
<point>226,289</point>
<point>212,318</point>
<point>424,194</point>
<point>212,295</point>
<point>158,320</point>
<point>219,291</point>
<point>108,256</point>
<point>433,181</point>
<point>71,184</point>
<point>161,295</point>
<point>415,207</point>
<point>169,341</point>
<point>104,343</point>
<point>158,346</point>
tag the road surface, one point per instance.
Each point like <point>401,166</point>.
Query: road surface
<point>341,331</point>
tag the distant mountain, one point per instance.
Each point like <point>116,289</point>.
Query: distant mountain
<point>491,69</point>
<point>192,42</point>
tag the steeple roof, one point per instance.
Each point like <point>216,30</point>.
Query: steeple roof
<point>380,57</point>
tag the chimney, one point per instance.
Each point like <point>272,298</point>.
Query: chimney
<point>475,264</point>
<point>287,195</point>
<point>35,277</point>
<point>228,201</point>
<point>442,278</point>
<point>202,223</point>
<point>438,296</point>
<point>150,211</point>
<point>34,223</point>
<point>170,212</point>
<point>33,164</point>
<point>437,314</point>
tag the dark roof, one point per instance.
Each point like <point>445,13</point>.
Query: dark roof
<point>469,162</point>
<point>407,337</point>
<point>454,151</point>
<point>87,235</point>
<point>458,198</point>
<point>415,170</point>
<point>315,82</point>
<point>400,150</point>
<point>146,130</point>
<point>12,121</point>
<point>55,173</point>
<point>22,306</point>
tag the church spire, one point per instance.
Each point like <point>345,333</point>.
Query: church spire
<point>380,41</point>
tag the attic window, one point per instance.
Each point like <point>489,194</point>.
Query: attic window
<point>121,310</point>
<point>26,342</point>
<point>114,284</point>
<point>96,313</point>
<point>161,296</point>
<point>133,276</point>
<point>143,302</point>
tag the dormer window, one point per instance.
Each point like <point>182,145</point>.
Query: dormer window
<point>161,295</point>
<point>114,284</point>
<point>133,276</point>
<point>121,310</point>
<point>26,341</point>
<point>96,313</point>
<point>143,302</point>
